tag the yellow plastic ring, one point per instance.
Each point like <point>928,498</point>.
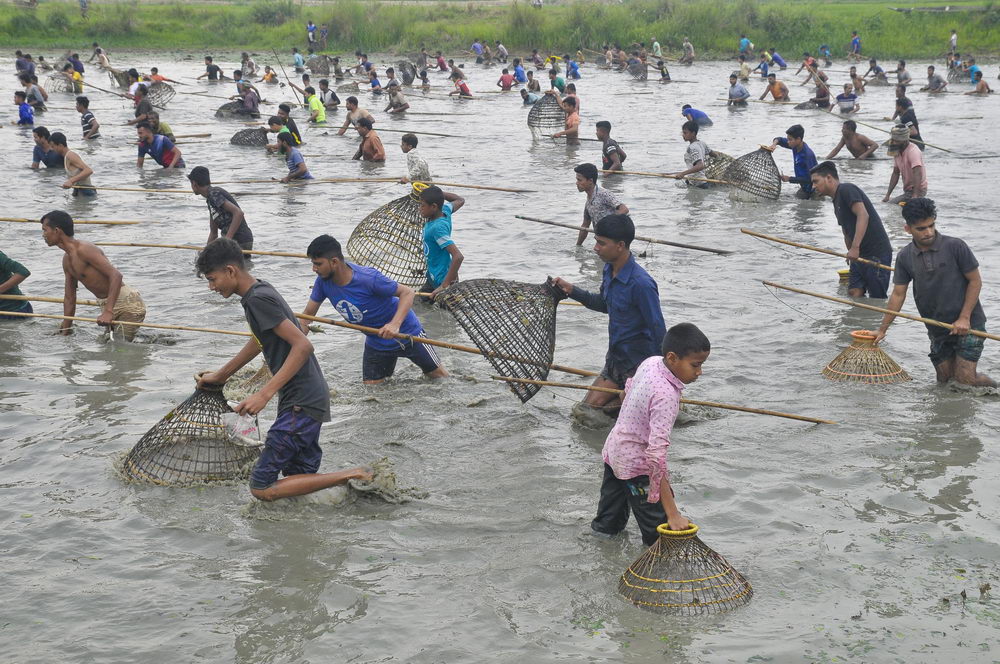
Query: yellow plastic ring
<point>419,187</point>
<point>664,529</point>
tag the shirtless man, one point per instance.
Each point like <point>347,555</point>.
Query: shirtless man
<point>77,172</point>
<point>857,144</point>
<point>982,87</point>
<point>776,89</point>
<point>85,263</point>
<point>572,130</point>
<point>354,113</point>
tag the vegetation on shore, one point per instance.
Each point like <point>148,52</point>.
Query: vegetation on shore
<point>714,28</point>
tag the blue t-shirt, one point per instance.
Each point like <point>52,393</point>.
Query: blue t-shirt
<point>744,44</point>
<point>573,69</point>
<point>51,159</point>
<point>437,239</point>
<point>763,67</point>
<point>803,159</point>
<point>520,75</point>
<point>478,48</point>
<point>369,299</point>
<point>375,83</point>
<point>856,45</point>
<point>292,159</point>
<point>846,101</point>
<point>161,150</point>
<point>696,115</point>
<point>778,60</point>
<point>530,99</point>
<point>299,60</point>
<point>972,72</point>
<point>26,114</point>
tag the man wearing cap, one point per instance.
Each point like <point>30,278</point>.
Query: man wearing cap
<point>908,162</point>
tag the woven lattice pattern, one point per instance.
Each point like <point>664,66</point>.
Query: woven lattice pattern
<point>229,109</point>
<point>681,575</point>
<point>190,446</point>
<point>119,77</point>
<point>407,71</point>
<point>638,71</point>
<point>58,84</point>
<point>390,239</point>
<point>160,94</point>
<point>864,362</point>
<point>348,87</point>
<point>717,164</point>
<point>319,65</point>
<point>953,75</point>
<point>546,115</point>
<point>755,175</point>
<point>513,323</point>
<point>250,136</point>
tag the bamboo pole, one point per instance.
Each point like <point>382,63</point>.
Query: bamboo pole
<point>170,191</point>
<point>763,101</point>
<point>667,176</point>
<point>39,298</point>
<point>408,113</point>
<point>641,238</point>
<point>124,322</point>
<point>812,248</point>
<point>479,186</point>
<point>287,80</point>
<point>106,222</point>
<point>192,136</point>
<point>691,402</point>
<point>419,133</point>
<point>285,254</point>
<point>882,310</point>
<point>871,126</point>
<point>396,180</point>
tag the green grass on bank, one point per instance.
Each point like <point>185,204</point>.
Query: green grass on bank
<point>713,27</point>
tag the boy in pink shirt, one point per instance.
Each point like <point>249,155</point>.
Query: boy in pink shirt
<point>635,453</point>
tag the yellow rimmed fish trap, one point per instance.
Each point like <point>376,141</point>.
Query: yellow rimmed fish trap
<point>680,575</point>
<point>546,116</point>
<point>754,176</point>
<point>251,136</point>
<point>391,240</point>
<point>512,323</point>
<point>865,362</point>
<point>639,71</point>
<point>191,445</point>
<point>160,94</point>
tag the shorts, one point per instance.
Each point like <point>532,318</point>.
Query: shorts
<point>615,372</point>
<point>129,308</point>
<point>968,347</point>
<point>377,364</point>
<point>872,281</point>
<point>618,497</point>
<point>86,193</point>
<point>24,309</point>
<point>291,448</point>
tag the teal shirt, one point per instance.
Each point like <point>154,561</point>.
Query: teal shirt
<point>9,268</point>
<point>437,239</point>
<point>559,84</point>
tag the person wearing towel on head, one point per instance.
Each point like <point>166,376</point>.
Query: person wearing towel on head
<point>908,163</point>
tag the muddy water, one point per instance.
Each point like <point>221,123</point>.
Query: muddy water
<point>858,538</point>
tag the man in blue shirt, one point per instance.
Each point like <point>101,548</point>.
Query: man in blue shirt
<point>443,257</point>
<point>632,301</point>
<point>855,46</point>
<point>298,61</point>
<point>43,152</point>
<point>693,114</point>
<point>519,74</point>
<point>365,296</point>
<point>802,157</point>
<point>777,59</point>
<point>973,68</point>
<point>158,146</point>
<point>746,48</point>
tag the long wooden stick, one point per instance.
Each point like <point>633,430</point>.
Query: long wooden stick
<point>356,180</point>
<point>106,222</point>
<point>286,254</point>
<point>192,136</point>
<point>641,238</point>
<point>39,298</point>
<point>171,191</point>
<point>692,402</point>
<point>287,80</point>
<point>812,248</point>
<point>871,126</point>
<point>419,133</point>
<point>668,176</point>
<point>882,310</point>
<point>125,322</point>
<point>479,186</point>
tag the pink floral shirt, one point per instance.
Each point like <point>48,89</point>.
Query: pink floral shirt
<point>638,443</point>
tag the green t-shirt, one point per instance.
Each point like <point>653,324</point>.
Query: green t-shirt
<point>316,105</point>
<point>9,268</point>
<point>559,84</point>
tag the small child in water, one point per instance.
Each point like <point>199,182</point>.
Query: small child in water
<point>26,114</point>
<point>635,452</point>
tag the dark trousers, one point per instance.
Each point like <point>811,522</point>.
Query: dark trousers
<point>618,497</point>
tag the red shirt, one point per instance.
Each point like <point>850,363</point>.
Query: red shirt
<point>442,65</point>
<point>506,81</point>
<point>463,88</point>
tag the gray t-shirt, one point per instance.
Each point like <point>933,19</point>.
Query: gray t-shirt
<point>600,205</point>
<point>696,151</point>
<point>936,82</point>
<point>939,283</point>
<point>265,309</point>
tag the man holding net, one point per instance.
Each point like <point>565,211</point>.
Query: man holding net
<point>803,160</point>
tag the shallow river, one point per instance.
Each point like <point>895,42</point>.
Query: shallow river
<point>858,538</point>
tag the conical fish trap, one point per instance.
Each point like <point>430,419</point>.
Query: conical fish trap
<point>319,65</point>
<point>638,71</point>
<point>160,94</point>
<point>754,177</point>
<point>864,362</point>
<point>391,240</point>
<point>190,445</point>
<point>407,71</point>
<point>58,84</point>
<point>809,105</point>
<point>349,87</point>
<point>717,164</point>
<point>953,75</point>
<point>512,323</point>
<point>250,136</point>
<point>119,77</point>
<point>546,116</point>
<point>229,109</point>
<point>680,575</point>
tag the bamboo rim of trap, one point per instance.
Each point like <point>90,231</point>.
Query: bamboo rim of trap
<point>690,531</point>
<point>874,366</point>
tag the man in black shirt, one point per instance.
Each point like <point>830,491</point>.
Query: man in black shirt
<point>224,215</point>
<point>864,234</point>
<point>212,70</point>
<point>612,155</point>
<point>292,446</point>
<point>946,287</point>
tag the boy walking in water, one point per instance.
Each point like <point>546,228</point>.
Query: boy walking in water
<point>636,477</point>
<point>292,446</point>
<point>443,257</point>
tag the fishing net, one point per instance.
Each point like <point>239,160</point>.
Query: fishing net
<point>512,323</point>
<point>638,71</point>
<point>681,575</point>
<point>229,109</point>
<point>877,82</point>
<point>250,136</point>
<point>864,362</point>
<point>806,106</point>
<point>390,239</point>
<point>407,72</point>
<point>955,75</point>
<point>246,381</point>
<point>159,93</point>
<point>546,116</point>
<point>716,166</point>
<point>119,77</point>
<point>319,65</point>
<point>754,176</point>
<point>191,445</point>
<point>349,87</point>
<point>58,84</point>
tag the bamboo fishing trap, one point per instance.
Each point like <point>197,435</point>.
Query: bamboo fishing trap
<point>546,116</point>
<point>160,94</point>
<point>319,65</point>
<point>864,362</point>
<point>191,445</point>
<point>512,323</point>
<point>407,71</point>
<point>349,87</point>
<point>391,240</point>
<point>58,83</point>
<point>119,77</point>
<point>680,575</point>
<point>717,164</point>
<point>250,136</point>
<point>638,71</point>
<point>754,176</point>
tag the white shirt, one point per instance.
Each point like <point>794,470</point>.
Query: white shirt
<point>696,151</point>
<point>416,166</point>
<point>132,88</point>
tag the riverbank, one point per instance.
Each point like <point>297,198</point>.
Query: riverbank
<point>713,29</point>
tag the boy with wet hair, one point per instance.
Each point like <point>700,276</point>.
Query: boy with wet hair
<point>859,145</point>
<point>292,446</point>
<point>946,287</point>
<point>225,216</point>
<point>416,168</point>
<point>91,127</point>
<point>26,114</point>
<point>803,160</point>
<point>630,297</point>
<point>696,155</point>
<point>612,155</point>
<point>443,256</point>
<point>636,476</point>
